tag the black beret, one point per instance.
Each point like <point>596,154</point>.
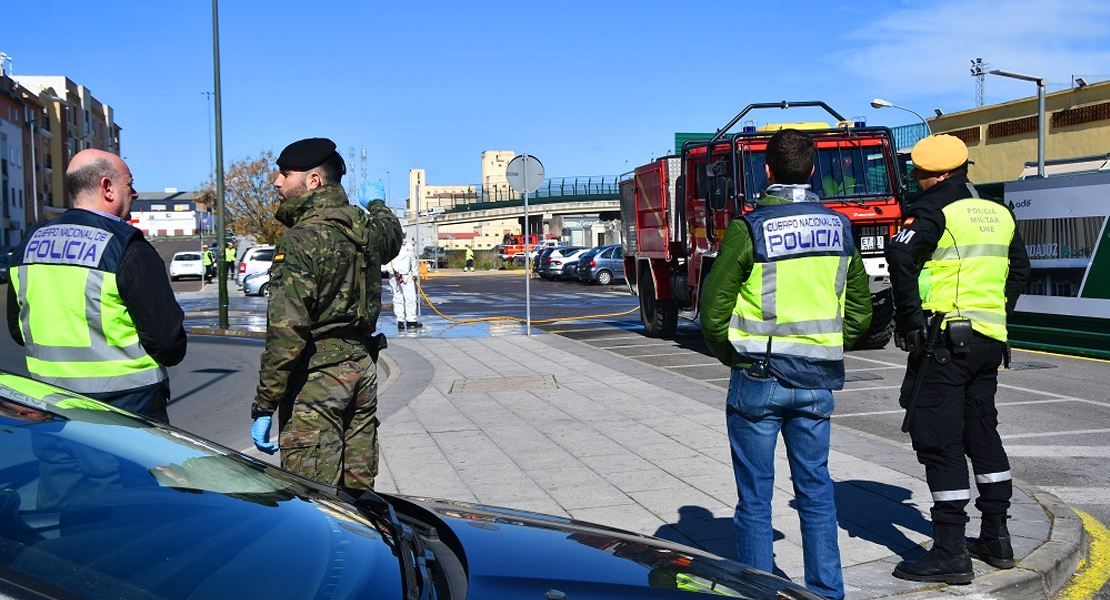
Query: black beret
<point>306,154</point>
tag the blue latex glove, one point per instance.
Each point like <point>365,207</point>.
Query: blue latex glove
<point>260,433</point>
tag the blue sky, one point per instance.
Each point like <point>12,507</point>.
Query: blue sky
<point>589,87</point>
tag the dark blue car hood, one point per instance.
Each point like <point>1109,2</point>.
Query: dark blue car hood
<point>519,554</point>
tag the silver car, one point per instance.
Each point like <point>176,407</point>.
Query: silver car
<point>257,284</point>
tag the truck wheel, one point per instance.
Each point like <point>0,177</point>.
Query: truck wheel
<point>660,317</point>
<point>882,322</point>
<point>605,278</point>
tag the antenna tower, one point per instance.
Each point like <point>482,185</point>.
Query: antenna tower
<point>351,165</point>
<point>363,180</point>
<point>979,72</point>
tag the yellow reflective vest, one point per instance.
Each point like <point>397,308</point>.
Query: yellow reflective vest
<point>966,275</point>
<point>76,328</point>
<point>792,305</point>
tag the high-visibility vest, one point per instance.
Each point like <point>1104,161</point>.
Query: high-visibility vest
<point>793,301</point>
<point>832,187</point>
<point>76,329</point>
<point>966,275</point>
<point>229,254</point>
<point>206,258</point>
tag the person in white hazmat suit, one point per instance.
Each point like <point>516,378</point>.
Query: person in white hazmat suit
<point>402,282</point>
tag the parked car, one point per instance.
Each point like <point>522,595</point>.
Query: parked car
<point>186,264</point>
<point>540,258</point>
<point>568,270</point>
<point>255,260</point>
<point>550,262</point>
<point>98,503</point>
<point>604,266</point>
<point>257,284</point>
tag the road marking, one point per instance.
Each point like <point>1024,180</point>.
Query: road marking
<point>1095,571</point>
<point>1016,436</point>
<point>868,414</point>
<point>1054,451</point>
<point>874,368</point>
<point>1054,395</point>
<point>654,355</point>
<point>1078,495</point>
<point>873,360</point>
<point>867,389</point>
<point>648,345</point>
<point>688,366</point>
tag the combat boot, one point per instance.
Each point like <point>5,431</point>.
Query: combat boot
<point>947,562</point>
<point>993,546</point>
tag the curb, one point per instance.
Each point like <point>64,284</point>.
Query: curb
<point>1038,576</point>
<point>261,335</point>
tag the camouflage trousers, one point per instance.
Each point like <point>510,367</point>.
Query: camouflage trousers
<point>330,433</point>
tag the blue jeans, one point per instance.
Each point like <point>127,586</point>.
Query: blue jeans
<point>757,410</point>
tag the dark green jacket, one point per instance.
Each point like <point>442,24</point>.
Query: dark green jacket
<point>317,312</point>
<point>733,266</point>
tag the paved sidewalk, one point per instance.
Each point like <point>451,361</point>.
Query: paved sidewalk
<point>544,423</point>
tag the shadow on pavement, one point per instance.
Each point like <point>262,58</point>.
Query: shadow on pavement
<point>874,511</point>
<point>698,527</point>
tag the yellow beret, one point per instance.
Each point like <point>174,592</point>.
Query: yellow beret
<point>939,153</point>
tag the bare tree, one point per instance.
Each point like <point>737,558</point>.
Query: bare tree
<point>249,197</point>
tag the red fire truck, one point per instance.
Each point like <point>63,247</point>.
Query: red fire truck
<point>675,210</point>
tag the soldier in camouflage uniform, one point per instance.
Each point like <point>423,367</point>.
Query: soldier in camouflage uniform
<point>319,368</point>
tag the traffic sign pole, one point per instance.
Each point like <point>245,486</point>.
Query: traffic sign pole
<point>526,178</point>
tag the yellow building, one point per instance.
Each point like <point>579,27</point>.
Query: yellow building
<point>441,198</point>
<point>1002,138</point>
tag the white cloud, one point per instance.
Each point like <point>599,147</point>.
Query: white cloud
<point>927,51</point>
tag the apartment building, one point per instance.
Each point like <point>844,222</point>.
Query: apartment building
<point>76,120</point>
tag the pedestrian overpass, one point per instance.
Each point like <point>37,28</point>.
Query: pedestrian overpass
<point>557,196</point>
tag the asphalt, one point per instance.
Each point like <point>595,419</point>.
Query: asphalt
<point>484,413</point>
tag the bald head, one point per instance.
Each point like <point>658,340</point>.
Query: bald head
<point>100,181</point>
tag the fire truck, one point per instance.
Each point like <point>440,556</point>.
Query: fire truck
<point>675,210</point>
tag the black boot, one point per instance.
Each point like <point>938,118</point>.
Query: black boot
<point>947,562</point>
<point>400,325</point>
<point>414,325</point>
<point>993,546</point>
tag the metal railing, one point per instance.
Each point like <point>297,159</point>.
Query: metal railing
<point>560,189</point>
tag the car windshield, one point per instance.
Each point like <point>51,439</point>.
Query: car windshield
<point>184,257</point>
<point>103,505</point>
<point>264,255</point>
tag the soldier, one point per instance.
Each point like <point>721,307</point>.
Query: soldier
<point>319,368</point>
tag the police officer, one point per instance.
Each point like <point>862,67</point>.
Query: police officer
<point>319,368</point>
<point>229,258</point>
<point>469,258</point>
<point>787,293</point>
<point>89,297</point>
<point>209,261</point>
<point>958,264</point>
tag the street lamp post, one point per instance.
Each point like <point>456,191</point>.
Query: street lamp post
<point>1040,81</point>
<point>880,103</point>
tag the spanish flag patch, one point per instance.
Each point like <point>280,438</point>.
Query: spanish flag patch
<point>279,257</point>
<point>906,223</point>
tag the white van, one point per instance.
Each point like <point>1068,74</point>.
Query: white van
<point>255,260</point>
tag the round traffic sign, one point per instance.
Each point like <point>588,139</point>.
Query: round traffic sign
<point>525,173</point>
